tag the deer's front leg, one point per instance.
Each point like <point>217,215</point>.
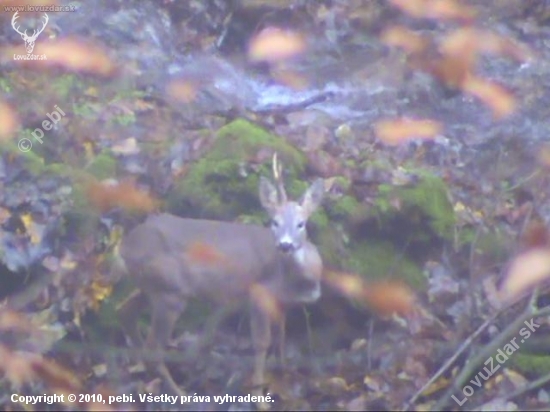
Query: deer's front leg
<point>128,313</point>
<point>281,326</point>
<point>167,308</point>
<point>260,326</point>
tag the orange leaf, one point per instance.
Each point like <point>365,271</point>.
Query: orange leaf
<point>384,297</point>
<point>125,195</point>
<point>401,130</point>
<point>8,121</point>
<point>499,100</point>
<point>527,270</point>
<point>56,376</point>
<point>18,368</point>
<point>408,40</point>
<point>183,90</point>
<point>273,44</point>
<point>388,297</point>
<point>436,9</point>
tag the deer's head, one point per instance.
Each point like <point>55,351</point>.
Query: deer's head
<point>288,218</point>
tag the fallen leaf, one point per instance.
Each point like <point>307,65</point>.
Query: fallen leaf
<point>9,121</point>
<point>106,196</point>
<point>408,40</point>
<point>526,270</point>
<point>401,130</point>
<point>499,100</point>
<point>436,9</point>
<point>273,44</point>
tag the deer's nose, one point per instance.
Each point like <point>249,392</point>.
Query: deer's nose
<point>286,247</point>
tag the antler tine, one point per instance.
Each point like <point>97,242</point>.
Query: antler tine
<point>13,22</point>
<point>278,176</point>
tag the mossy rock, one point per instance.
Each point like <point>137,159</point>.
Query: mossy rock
<point>220,185</point>
<point>102,166</point>
<point>346,209</point>
<point>377,260</point>
<point>331,245</point>
<point>423,204</point>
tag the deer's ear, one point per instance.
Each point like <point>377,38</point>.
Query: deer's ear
<point>313,196</point>
<point>268,195</point>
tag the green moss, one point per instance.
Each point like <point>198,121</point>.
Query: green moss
<point>63,85</point>
<point>330,246</point>
<point>344,208</point>
<point>59,169</point>
<point>380,260</point>
<point>33,163</point>
<point>320,220</point>
<point>343,183</point>
<point>125,119</point>
<point>421,204</point>
<point>103,166</point>
<point>5,85</point>
<point>85,109</point>
<point>221,185</point>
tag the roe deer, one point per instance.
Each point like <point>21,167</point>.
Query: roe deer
<point>173,259</point>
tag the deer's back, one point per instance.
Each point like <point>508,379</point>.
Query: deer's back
<point>220,260</point>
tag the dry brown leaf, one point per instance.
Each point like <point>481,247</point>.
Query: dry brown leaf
<point>55,376</point>
<point>125,195</point>
<point>451,70</point>
<point>467,40</point>
<point>290,79</point>
<point>436,9</point>
<point>527,270</point>
<point>17,368</point>
<point>70,54</point>
<point>349,285</point>
<point>535,235</point>
<point>9,121</point>
<point>499,100</point>
<point>183,90</point>
<point>408,40</point>
<point>388,297</point>
<point>384,297</point>
<point>273,44</point>
<point>401,130</point>
<point>13,321</point>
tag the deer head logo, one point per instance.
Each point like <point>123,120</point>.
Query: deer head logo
<point>29,40</point>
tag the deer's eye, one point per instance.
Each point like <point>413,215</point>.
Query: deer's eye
<point>274,223</point>
<point>301,225</point>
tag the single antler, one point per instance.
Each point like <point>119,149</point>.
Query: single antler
<point>278,177</point>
